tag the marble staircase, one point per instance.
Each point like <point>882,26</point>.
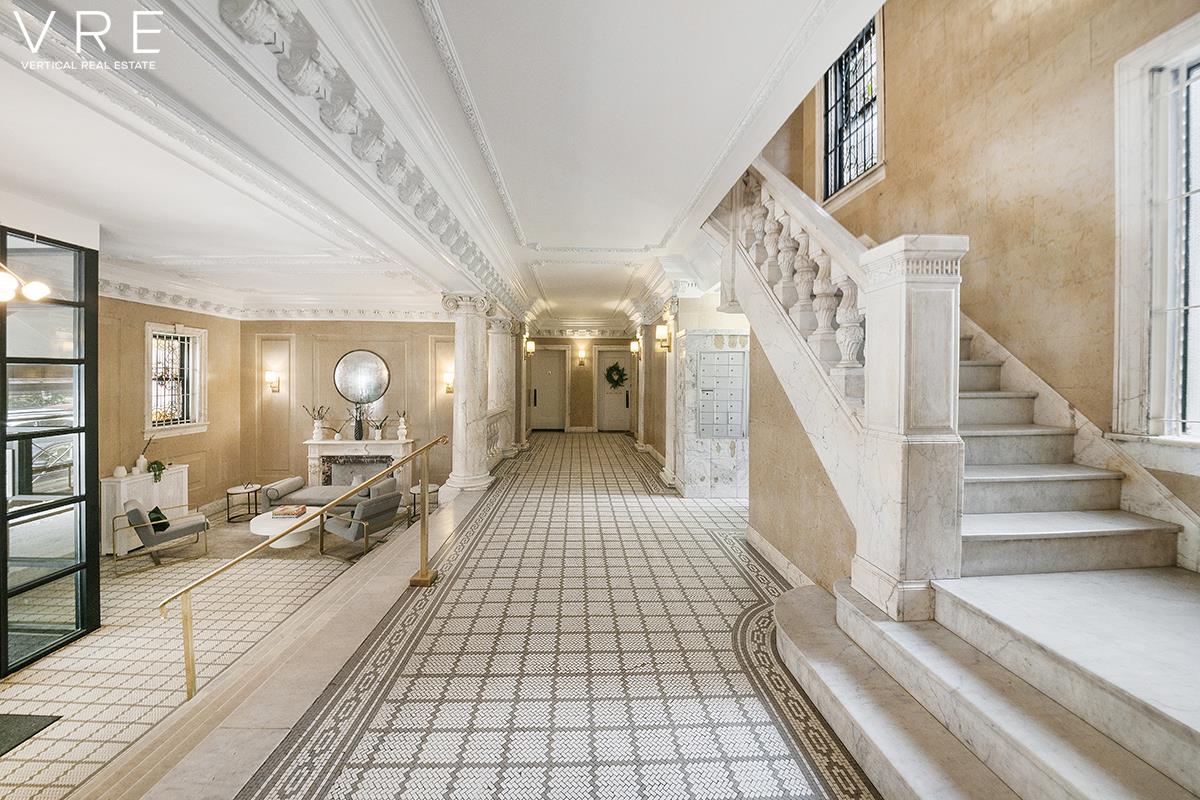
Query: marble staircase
<point>1027,507</point>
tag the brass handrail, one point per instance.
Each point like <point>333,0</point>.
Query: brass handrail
<point>423,577</point>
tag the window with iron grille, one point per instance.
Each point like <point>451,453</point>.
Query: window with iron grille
<point>852,112</point>
<point>175,398</point>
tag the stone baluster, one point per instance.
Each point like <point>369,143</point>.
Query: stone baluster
<point>785,290</point>
<point>750,192</point>
<point>758,223</point>
<point>823,340</point>
<point>771,230</point>
<point>804,273</point>
<point>847,375</point>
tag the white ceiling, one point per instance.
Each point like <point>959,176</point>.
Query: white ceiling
<point>582,145</point>
<point>606,118</point>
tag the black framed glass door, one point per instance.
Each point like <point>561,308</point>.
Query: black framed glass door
<point>50,547</point>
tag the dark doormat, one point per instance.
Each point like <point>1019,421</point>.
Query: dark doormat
<point>16,728</point>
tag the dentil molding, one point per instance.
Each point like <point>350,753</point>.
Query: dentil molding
<point>306,67</point>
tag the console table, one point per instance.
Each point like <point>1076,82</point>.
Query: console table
<point>172,490</point>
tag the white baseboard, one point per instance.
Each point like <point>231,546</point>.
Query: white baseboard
<point>790,572</point>
<point>659,457</point>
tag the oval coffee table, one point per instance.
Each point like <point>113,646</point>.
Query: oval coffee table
<point>266,526</point>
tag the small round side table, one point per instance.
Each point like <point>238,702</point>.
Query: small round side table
<point>415,491</point>
<point>251,494</point>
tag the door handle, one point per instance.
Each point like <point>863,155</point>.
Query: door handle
<point>627,398</point>
<point>535,398</point>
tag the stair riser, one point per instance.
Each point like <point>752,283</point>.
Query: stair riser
<point>1005,756</point>
<point>1169,747</point>
<point>1066,553</point>
<point>986,410</point>
<point>978,378</point>
<point>964,348</point>
<point>1009,496</point>
<point>1015,449</point>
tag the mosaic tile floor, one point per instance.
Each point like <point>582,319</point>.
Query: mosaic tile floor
<point>113,685</point>
<point>591,636</point>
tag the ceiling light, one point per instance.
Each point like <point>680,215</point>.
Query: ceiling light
<point>8,282</point>
<point>6,295</point>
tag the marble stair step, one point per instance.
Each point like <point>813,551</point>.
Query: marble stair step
<point>976,376</point>
<point>1013,443</point>
<point>902,748</point>
<point>996,488</point>
<point>982,407</point>
<point>1035,745</point>
<point>1064,541</point>
<point>1057,632</point>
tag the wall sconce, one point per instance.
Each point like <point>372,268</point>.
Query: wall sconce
<point>448,380</point>
<point>582,357</point>
<point>272,379</point>
<point>530,348</point>
<point>635,347</point>
<point>662,337</point>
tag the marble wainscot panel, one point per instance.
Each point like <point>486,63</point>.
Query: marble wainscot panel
<point>712,435</point>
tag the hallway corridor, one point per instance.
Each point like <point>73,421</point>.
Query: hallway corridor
<point>591,635</point>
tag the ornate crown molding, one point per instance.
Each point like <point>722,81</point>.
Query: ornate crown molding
<point>183,301</point>
<point>306,67</point>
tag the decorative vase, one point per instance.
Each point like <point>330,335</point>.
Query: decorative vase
<point>337,437</point>
<point>120,471</point>
<point>358,429</point>
<point>140,466</point>
<point>377,434</point>
<point>402,429</point>
<point>318,429</point>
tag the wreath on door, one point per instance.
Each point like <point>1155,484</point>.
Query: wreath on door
<point>616,375</point>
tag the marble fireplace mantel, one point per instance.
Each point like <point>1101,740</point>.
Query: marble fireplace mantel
<point>349,449</point>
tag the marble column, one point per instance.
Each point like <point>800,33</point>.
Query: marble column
<point>469,467</point>
<point>912,442</point>
<point>501,378</point>
<point>643,340</point>
<point>522,437</point>
<point>669,389</point>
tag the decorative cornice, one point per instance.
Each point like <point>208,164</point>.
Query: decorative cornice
<point>581,333</point>
<point>464,303</point>
<point>307,68</point>
<point>133,292</point>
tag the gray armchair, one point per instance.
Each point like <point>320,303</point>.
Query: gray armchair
<point>380,512</point>
<point>183,529</point>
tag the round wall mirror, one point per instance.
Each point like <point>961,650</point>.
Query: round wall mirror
<point>361,376</point>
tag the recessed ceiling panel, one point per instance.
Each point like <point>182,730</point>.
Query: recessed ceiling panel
<point>583,291</point>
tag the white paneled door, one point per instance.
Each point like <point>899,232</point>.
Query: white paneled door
<point>613,390</point>
<point>547,384</point>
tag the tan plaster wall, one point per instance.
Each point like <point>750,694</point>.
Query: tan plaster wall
<point>656,394</point>
<point>304,354</point>
<point>213,457</point>
<point>999,125</point>
<point>583,384</point>
<point>792,503</point>
<point>1185,487</point>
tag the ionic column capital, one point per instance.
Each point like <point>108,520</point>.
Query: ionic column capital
<point>501,325</point>
<point>464,303</point>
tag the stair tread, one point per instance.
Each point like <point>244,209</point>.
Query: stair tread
<point>1001,473</point>
<point>989,394</point>
<point>1070,750</point>
<point>1050,524</point>
<point>901,746</point>
<point>1012,429</point>
<point>1076,617</point>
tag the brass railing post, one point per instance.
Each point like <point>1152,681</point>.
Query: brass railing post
<point>189,651</point>
<point>424,576</point>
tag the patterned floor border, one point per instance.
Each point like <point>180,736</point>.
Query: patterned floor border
<point>337,718</point>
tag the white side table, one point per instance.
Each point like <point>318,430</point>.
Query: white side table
<point>266,526</point>
<point>251,493</point>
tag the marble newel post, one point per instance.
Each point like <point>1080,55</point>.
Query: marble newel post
<point>913,460</point>
<point>669,389</point>
<point>501,378</point>
<point>469,465</point>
